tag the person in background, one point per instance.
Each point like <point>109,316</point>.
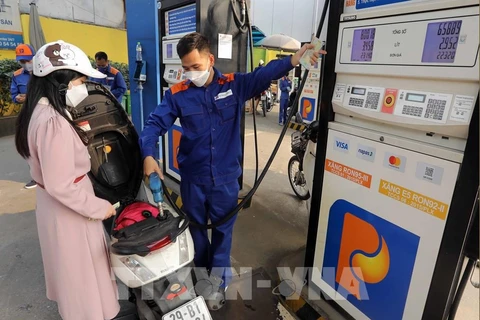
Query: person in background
<point>69,216</point>
<point>18,87</point>
<point>114,80</point>
<point>285,88</point>
<point>261,63</point>
<point>291,100</point>
<point>209,106</point>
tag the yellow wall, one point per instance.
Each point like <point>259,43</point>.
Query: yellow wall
<point>89,38</point>
<point>264,54</point>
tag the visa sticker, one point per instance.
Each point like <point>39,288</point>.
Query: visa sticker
<point>341,145</point>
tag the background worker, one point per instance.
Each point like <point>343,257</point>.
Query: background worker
<point>209,105</point>
<point>18,88</point>
<point>285,88</point>
<point>291,100</point>
<point>114,80</point>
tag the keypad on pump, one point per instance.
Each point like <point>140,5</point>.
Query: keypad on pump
<point>356,102</point>
<point>412,111</point>
<point>372,100</point>
<point>435,109</point>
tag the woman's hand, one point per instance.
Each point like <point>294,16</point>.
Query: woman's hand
<point>110,212</point>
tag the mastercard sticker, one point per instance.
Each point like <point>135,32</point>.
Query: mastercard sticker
<point>395,161</point>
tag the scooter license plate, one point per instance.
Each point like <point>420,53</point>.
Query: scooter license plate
<point>195,309</point>
<point>264,98</point>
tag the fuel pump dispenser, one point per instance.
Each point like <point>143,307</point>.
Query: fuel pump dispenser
<point>308,102</point>
<point>224,24</point>
<point>396,169</point>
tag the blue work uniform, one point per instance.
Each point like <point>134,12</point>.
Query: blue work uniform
<point>114,81</point>
<point>210,152</point>
<point>19,83</point>
<point>285,87</point>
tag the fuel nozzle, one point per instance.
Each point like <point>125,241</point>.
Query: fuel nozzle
<point>157,191</point>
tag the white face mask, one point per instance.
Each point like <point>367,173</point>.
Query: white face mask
<point>28,66</point>
<point>199,78</point>
<point>76,94</point>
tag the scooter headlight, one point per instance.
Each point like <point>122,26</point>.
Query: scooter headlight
<point>183,252</point>
<point>138,269</point>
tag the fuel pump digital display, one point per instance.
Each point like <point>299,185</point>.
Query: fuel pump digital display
<point>441,41</point>
<point>362,47</point>
<point>169,50</point>
<point>359,91</point>
<point>420,98</point>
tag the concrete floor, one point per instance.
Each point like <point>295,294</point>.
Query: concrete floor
<point>274,227</point>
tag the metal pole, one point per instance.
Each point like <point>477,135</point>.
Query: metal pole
<point>140,93</point>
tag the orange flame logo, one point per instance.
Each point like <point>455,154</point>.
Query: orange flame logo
<point>364,255</point>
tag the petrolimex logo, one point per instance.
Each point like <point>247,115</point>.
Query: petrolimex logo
<point>341,145</point>
<point>394,161</point>
<point>373,260</point>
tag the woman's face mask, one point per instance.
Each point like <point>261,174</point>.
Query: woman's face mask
<point>76,94</point>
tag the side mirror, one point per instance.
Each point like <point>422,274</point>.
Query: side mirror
<point>298,118</point>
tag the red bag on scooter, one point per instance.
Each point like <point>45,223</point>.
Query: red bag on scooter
<point>139,229</point>
<point>134,213</point>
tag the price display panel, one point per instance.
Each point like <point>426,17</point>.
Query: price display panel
<point>363,41</point>
<point>417,40</point>
<point>441,41</point>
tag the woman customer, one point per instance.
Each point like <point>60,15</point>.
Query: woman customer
<point>69,216</point>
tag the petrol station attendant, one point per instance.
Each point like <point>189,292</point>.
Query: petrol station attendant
<point>285,88</point>
<point>114,80</point>
<point>18,88</point>
<point>209,105</point>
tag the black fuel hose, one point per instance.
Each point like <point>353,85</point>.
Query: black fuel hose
<point>254,111</point>
<point>461,288</point>
<point>274,152</point>
<point>241,22</point>
<point>241,26</point>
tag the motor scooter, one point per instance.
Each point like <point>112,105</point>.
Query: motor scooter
<point>151,253</point>
<point>267,102</point>
<point>303,146</point>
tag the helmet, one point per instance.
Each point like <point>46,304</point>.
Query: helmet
<point>60,55</point>
<point>24,52</point>
<point>261,62</point>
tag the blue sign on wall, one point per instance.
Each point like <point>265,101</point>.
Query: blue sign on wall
<point>364,4</point>
<point>11,34</point>
<point>10,41</point>
<point>181,20</point>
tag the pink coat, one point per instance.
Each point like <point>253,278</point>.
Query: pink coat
<point>74,250</point>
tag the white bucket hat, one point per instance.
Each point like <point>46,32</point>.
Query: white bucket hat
<point>60,55</point>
